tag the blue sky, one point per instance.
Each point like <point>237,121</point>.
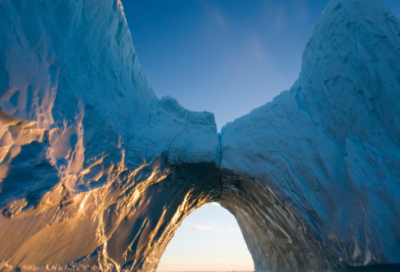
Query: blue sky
<point>224,56</point>
<point>227,57</point>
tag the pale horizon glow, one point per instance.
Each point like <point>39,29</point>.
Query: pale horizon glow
<point>209,239</point>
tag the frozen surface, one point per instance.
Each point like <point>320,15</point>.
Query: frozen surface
<point>82,134</point>
<point>97,173</point>
<point>330,145</point>
<point>72,88</point>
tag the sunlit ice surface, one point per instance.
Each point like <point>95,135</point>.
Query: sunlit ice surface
<point>208,240</point>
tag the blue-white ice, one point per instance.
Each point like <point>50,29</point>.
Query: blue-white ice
<point>330,145</point>
<point>97,173</point>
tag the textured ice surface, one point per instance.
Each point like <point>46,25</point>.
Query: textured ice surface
<point>330,145</point>
<point>97,173</point>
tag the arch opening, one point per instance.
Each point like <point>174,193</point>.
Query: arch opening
<point>278,240</point>
<point>209,239</point>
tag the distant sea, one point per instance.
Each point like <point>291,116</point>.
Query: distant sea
<point>394,268</point>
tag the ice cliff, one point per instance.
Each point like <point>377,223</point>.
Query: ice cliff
<point>97,173</point>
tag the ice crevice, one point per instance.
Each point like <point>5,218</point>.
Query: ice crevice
<point>96,173</point>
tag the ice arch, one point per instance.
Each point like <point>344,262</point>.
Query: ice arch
<point>96,172</point>
<point>130,220</point>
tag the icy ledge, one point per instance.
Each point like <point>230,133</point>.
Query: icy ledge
<point>97,173</point>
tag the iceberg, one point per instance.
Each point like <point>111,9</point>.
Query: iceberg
<point>96,173</point>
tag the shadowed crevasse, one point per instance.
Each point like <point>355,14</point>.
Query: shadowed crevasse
<point>96,173</point>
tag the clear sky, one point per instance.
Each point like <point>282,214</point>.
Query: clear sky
<point>227,57</point>
<point>223,56</point>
